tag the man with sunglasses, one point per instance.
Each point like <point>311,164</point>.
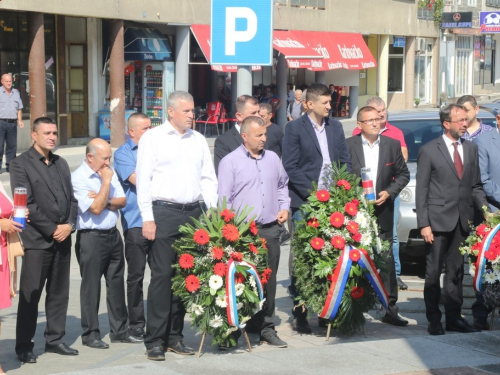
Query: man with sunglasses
<point>448,186</point>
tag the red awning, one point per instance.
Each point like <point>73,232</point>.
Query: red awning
<point>294,47</point>
<point>339,50</point>
<point>202,36</point>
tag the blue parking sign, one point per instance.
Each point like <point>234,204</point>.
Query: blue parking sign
<point>241,32</point>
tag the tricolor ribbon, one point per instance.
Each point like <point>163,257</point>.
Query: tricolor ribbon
<point>340,275</point>
<point>232,311</point>
<point>481,259</point>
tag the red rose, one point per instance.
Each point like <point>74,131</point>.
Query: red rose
<point>227,215</point>
<point>253,228</point>
<point>352,227</point>
<point>351,209</point>
<point>220,269</point>
<point>201,237</point>
<point>192,283</point>
<point>338,242</point>
<point>230,232</point>
<point>239,278</point>
<point>357,292</point>
<point>317,243</point>
<point>345,184</point>
<point>186,261</point>
<point>235,255</point>
<point>217,253</point>
<point>313,222</point>
<point>337,219</point>
<point>354,255</point>
<point>356,237</point>
<point>253,248</point>
<point>266,274</point>
<point>355,201</point>
<point>323,195</point>
<point>263,242</point>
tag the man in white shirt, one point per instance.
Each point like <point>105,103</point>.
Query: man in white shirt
<point>175,178</point>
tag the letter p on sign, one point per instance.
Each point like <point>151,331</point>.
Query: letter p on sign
<point>241,32</point>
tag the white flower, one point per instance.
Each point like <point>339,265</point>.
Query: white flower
<point>239,305</point>
<point>472,270</point>
<point>261,303</point>
<point>251,281</point>
<point>197,309</point>
<point>216,322</point>
<point>489,278</point>
<point>215,282</point>
<point>245,319</point>
<point>221,301</point>
<point>361,219</point>
<point>366,240</point>
<point>239,289</point>
<point>379,245</point>
<point>230,330</point>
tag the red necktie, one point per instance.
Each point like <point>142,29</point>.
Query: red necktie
<point>457,161</point>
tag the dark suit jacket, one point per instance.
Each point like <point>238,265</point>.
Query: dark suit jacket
<point>224,144</point>
<point>392,174</point>
<point>488,145</point>
<point>302,157</point>
<point>274,139</point>
<point>28,171</point>
<point>442,198</point>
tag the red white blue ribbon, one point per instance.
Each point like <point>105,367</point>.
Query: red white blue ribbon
<point>341,274</point>
<point>481,259</point>
<point>232,310</point>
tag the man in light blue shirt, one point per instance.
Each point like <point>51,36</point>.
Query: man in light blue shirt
<point>137,247</point>
<point>99,247</point>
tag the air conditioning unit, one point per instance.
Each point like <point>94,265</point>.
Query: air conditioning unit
<point>420,45</point>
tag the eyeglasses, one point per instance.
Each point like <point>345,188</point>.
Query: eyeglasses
<point>460,121</point>
<point>371,121</point>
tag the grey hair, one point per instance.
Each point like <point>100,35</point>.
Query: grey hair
<point>245,125</point>
<point>91,148</point>
<point>176,96</point>
<point>375,101</point>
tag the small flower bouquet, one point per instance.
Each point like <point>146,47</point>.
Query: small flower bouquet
<point>221,272</point>
<point>483,252</point>
<point>338,254</point>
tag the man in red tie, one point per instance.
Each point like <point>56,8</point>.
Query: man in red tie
<point>448,185</point>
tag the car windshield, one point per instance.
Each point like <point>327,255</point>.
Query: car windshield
<point>418,132</point>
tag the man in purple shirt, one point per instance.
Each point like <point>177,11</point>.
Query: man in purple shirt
<point>476,126</point>
<point>254,177</point>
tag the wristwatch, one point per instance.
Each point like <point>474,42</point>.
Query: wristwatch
<point>73,227</point>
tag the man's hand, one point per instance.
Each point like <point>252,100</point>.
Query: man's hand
<point>427,235</point>
<point>282,216</point>
<point>62,232</point>
<point>383,195</point>
<point>149,230</point>
<point>92,194</point>
<point>21,124</point>
<point>106,173</point>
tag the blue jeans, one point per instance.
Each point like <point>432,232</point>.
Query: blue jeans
<point>8,135</point>
<point>395,239</point>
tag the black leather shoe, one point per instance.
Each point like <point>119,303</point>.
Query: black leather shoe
<point>138,332</point>
<point>435,328</point>
<point>180,348</point>
<point>461,325</point>
<point>401,284</point>
<point>156,354</point>
<point>301,325</point>
<point>27,357</point>
<point>130,340</point>
<point>274,340</point>
<point>481,323</point>
<point>395,320</point>
<point>62,349</point>
<point>96,344</point>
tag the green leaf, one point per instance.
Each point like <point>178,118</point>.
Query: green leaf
<point>212,292</point>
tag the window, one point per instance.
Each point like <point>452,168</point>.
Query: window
<point>396,69</point>
<point>458,2</point>
<point>472,3</point>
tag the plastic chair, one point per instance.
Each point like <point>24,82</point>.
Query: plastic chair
<point>213,114</point>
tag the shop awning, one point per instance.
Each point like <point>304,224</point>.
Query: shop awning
<point>296,49</point>
<point>202,36</point>
<point>146,44</point>
<point>339,50</point>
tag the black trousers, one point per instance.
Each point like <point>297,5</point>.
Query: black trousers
<point>444,250</point>
<point>51,266</point>
<point>98,254</point>
<point>165,315</point>
<point>137,252</point>
<point>390,281</point>
<point>8,136</point>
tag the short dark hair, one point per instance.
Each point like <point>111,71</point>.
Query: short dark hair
<point>316,90</point>
<point>366,108</point>
<point>266,106</point>
<point>242,100</point>
<point>445,112</point>
<point>245,124</point>
<point>42,120</point>
<point>467,99</point>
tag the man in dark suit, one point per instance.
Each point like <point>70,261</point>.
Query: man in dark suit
<point>310,143</point>
<point>448,185</point>
<point>229,141</point>
<point>47,240</point>
<point>383,156</point>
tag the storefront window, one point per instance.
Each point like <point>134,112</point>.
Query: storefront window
<point>396,69</point>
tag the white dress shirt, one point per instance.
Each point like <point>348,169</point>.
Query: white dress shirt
<point>174,167</point>
<point>451,148</point>
<point>371,153</point>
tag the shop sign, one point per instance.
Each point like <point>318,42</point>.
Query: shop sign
<point>241,32</point>
<point>453,20</point>
<point>489,22</point>
<point>399,41</point>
